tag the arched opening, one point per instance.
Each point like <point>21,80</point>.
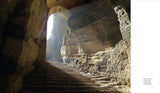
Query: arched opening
<point>89,28</point>
<point>56,28</point>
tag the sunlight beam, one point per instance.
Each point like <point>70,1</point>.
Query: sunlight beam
<point>50,26</point>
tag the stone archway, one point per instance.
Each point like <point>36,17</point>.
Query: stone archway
<point>59,18</point>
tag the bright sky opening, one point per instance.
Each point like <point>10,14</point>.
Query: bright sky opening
<point>50,26</point>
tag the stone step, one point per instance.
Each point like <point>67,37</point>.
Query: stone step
<point>64,87</point>
<point>61,83</point>
<point>48,77</point>
<point>56,79</point>
<point>96,76</point>
<point>82,91</point>
<point>71,91</point>
<point>100,78</point>
<point>49,74</point>
<point>66,80</point>
<point>41,77</point>
<point>34,88</point>
<point>102,82</point>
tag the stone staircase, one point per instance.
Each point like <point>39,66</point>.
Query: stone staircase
<point>106,82</point>
<point>59,78</point>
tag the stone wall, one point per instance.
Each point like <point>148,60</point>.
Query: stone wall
<point>22,40</point>
<point>112,60</point>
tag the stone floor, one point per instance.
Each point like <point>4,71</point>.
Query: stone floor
<point>59,78</point>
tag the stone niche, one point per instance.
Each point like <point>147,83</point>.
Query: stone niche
<point>98,40</point>
<point>22,40</point>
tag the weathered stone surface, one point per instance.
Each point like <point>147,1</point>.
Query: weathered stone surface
<point>59,10</point>
<point>125,26</point>
<point>22,23</point>
<point>66,3</point>
<point>87,14</point>
<point>113,59</point>
<point>93,26</point>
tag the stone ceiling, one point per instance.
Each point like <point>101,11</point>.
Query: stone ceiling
<point>66,3</point>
